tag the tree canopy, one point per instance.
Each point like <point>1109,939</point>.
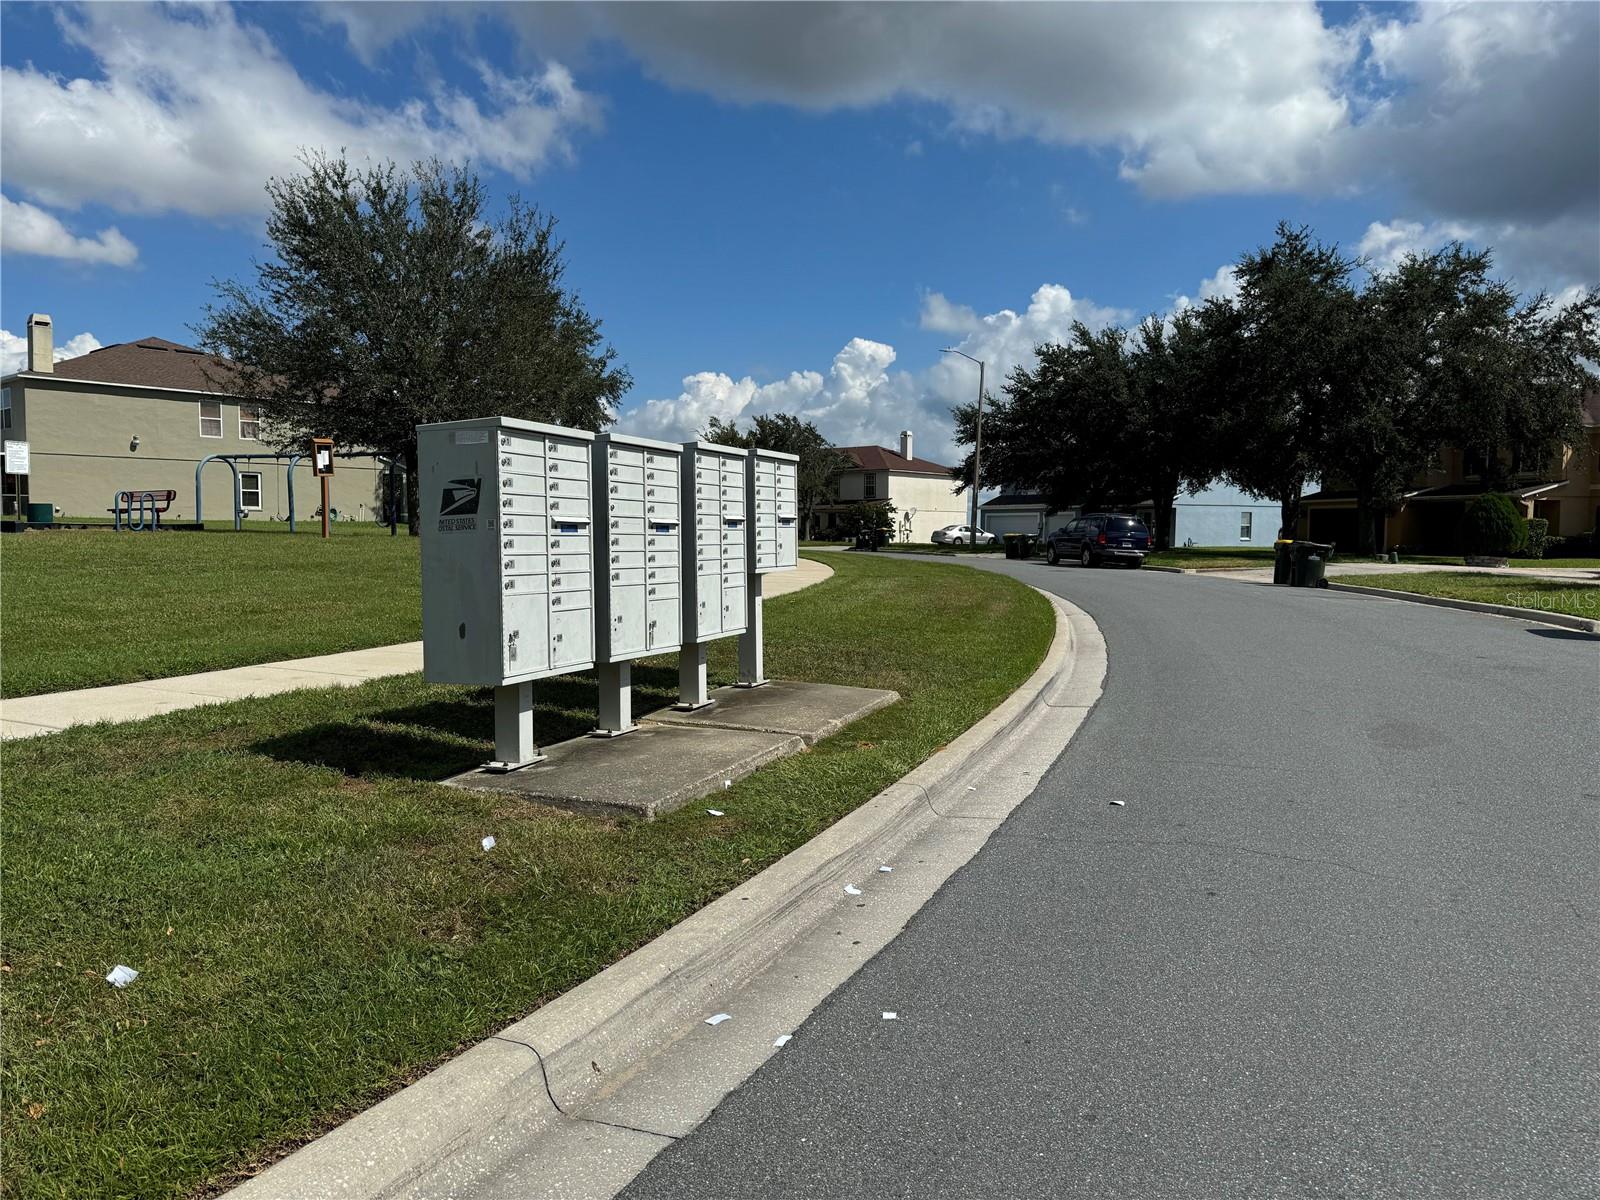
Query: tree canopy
<point>393,299</point>
<point>821,463</point>
<point>1321,369</point>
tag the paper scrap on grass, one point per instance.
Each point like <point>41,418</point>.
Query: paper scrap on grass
<point>488,843</point>
<point>719,1018</point>
<point>726,784</point>
<point>851,889</point>
<point>121,976</point>
<point>891,1016</point>
<point>782,1039</point>
<point>716,812</point>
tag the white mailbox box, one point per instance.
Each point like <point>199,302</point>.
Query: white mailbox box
<point>507,563</point>
<point>772,543</point>
<point>715,516</point>
<point>639,594</point>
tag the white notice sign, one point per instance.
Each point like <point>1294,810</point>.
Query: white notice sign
<point>16,458</point>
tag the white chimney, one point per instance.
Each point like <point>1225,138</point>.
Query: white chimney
<point>905,444</point>
<point>41,345</point>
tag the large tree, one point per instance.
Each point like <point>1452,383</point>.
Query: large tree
<point>393,298</point>
<point>1296,337</point>
<point>1062,427</point>
<point>1175,366</point>
<point>821,463</point>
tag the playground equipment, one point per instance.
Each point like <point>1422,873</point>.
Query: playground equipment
<point>232,461</point>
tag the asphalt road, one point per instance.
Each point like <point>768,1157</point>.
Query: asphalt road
<point>1340,941</point>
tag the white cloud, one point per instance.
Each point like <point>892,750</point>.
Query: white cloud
<point>14,349</point>
<point>939,315</point>
<point>28,229</point>
<point>862,400</point>
<point>1222,284</point>
<point>193,108</point>
<point>1534,257</point>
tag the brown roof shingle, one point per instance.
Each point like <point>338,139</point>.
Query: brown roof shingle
<point>150,362</point>
<point>881,458</point>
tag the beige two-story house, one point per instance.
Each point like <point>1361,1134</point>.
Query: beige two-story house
<point>142,416</point>
<point>922,492</point>
<point>1565,492</point>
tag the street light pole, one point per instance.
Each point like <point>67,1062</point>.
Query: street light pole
<point>977,445</point>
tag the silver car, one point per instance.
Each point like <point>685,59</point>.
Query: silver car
<point>962,535</point>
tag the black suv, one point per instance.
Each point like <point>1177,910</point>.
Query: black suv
<point>1095,538</point>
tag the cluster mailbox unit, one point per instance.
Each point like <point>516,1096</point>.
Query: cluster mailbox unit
<point>639,600</point>
<point>715,513</point>
<point>773,545</point>
<point>507,563</point>
<point>548,550</point>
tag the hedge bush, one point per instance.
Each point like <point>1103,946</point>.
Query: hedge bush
<point>1538,542</point>
<point>1493,527</point>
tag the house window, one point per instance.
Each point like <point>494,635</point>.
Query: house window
<point>869,486</point>
<point>249,423</point>
<point>211,418</point>
<point>5,408</point>
<point>1245,520</point>
<point>250,490</point>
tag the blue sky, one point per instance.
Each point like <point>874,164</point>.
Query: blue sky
<point>794,207</point>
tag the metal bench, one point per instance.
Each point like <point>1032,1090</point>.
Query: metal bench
<point>151,501</point>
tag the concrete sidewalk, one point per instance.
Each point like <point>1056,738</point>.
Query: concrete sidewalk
<point>34,716</point>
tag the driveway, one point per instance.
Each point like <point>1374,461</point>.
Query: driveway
<point>1337,940</point>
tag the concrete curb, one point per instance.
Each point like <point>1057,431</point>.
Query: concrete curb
<point>640,1006</point>
<point>1538,616</point>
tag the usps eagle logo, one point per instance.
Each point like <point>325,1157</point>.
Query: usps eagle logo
<point>460,498</point>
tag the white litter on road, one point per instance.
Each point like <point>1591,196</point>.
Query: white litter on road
<point>972,789</point>
<point>1119,804</point>
<point>488,843</point>
<point>121,976</point>
<point>719,1018</point>
<point>885,870</point>
<point>782,1040</point>
<point>851,889</point>
<point>891,1016</point>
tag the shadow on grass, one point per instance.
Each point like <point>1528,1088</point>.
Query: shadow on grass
<point>438,739</point>
<point>363,750</point>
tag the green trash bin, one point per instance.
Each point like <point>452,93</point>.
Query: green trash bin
<point>1282,565</point>
<point>1013,545</point>
<point>1025,545</point>
<point>1310,564</point>
<point>41,514</point>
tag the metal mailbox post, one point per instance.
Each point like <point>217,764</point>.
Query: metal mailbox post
<point>772,543</point>
<point>507,568</point>
<point>639,592</point>
<point>715,513</point>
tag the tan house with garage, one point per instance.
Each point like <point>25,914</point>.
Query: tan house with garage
<point>1565,492</point>
<point>142,416</point>
<point>923,494</point>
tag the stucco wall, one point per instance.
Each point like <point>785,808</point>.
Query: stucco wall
<point>81,454</point>
<point>933,498</point>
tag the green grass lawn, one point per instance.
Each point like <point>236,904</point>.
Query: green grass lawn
<point>1206,558</point>
<point>1530,564</point>
<point>84,608</point>
<point>1547,595</point>
<point>312,916</point>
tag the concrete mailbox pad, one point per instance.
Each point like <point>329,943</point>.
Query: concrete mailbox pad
<point>808,711</point>
<point>674,758</point>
